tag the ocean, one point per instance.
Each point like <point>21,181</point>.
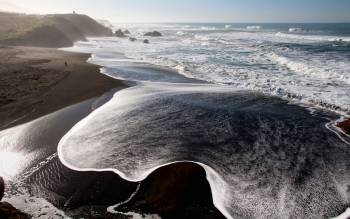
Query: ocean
<point>307,63</point>
<point>253,104</point>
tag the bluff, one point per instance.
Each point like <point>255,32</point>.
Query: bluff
<point>53,31</point>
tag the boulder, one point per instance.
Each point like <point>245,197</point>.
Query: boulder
<point>132,39</point>
<point>153,34</point>
<point>127,32</point>
<point>146,41</point>
<point>345,126</point>
<point>119,33</point>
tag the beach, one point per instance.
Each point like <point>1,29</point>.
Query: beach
<point>202,121</point>
<point>39,81</point>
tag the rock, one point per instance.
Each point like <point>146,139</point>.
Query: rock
<point>2,187</point>
<point>345,126</point>
<point>7,211</point>
<point>132,39</point>
<point>153,34</point>
<point>119,33</point>
<point>146,41</point>
<point>127,32</point>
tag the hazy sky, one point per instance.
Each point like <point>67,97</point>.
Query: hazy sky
<point>198,10</point>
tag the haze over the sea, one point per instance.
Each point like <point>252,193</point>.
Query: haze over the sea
<point>149,11</point>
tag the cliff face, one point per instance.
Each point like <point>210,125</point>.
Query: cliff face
<point>54,31</point>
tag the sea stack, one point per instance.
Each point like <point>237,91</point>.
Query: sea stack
<point>153,34</point>
<point>119,33</point>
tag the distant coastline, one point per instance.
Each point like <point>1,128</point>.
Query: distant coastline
<point>53,31</point>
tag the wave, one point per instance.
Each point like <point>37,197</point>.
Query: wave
<point>152,125</point>
<point>208,28</point>
<point>305,68</point>
<point>314,37</point>
<point>296,29</point>
<point>254,28</point>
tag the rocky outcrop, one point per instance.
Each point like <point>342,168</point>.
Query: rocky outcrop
<point>7,211</point>
<point>127,32</point>
<point>345,126</point>
<point>153,34</point>
<point>132,39</point>
<point>175,191</point>
<point>119,33</point>
<point>146,41</point>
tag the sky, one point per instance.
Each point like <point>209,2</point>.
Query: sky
<point>196,10</point>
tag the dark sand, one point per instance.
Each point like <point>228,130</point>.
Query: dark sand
<point>35,82</point>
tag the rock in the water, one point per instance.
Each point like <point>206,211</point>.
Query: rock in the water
<point>345,126</point>
<point>2,187</point>
<point>153,34</point>
<point>132,39</point>
<point>127,32</point>
<point>119,33</point>
<point>7,211</point>
<point>146,41</point>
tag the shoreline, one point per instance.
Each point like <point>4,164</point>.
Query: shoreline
<point>75,91</point>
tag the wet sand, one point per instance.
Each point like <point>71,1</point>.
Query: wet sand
<point>41,100</point>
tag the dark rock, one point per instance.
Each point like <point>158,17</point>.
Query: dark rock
<point>119,33</point>
<point>146,41</point>
<point>345,126</point>
<point>7,211</point>
<point>127,32</point>
<point>153,34</point>
<point>2,187</point>
<point>175,191</point>
<point>132,39</point>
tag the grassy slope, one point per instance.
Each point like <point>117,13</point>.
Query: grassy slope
<point>48,30</point>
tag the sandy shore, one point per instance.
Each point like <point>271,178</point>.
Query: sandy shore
<point>36,81</point>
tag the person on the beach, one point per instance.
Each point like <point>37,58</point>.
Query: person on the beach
<point>66,64</point>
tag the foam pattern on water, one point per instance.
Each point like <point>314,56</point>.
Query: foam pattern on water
<point>264,158</point>
<point>309,67</point>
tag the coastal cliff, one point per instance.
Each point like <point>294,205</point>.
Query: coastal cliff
<point>53,31</point>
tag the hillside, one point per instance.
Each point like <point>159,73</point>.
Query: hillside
<point>59,30</point>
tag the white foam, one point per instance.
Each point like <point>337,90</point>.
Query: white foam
<point>254,27</point>
<point>34,206</point>
<point>296,29</point>
<point>345,215</point>
<point>314,37</point>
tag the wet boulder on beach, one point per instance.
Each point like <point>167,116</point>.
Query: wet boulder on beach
<point>345,126</point>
